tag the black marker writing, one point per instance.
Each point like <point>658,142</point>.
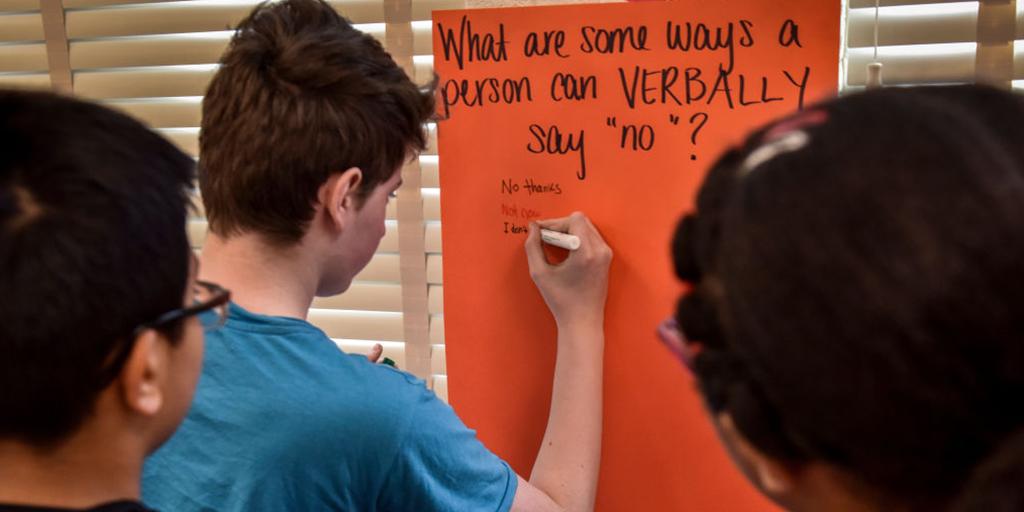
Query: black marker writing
<point>553,42</point>
<point>649,84</point>
<point>567,86</point>
<point>532,187</point>
<point>802,84</point>
<point>551,140</point>
<point>689,36</point>
<point>789,34</point>
<point>515,229</point>
<point>486,47</point>
<point>615,40</point>
<point>637,137</point>
<point>669,85</point>
<point>484,91</point>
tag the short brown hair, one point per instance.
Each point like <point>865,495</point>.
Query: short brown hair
<point>301,95</point>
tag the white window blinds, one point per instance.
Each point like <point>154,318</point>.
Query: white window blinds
<point>153,60</point>
<point>926,42</point>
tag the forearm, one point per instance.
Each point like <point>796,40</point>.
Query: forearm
<point>567,465</point>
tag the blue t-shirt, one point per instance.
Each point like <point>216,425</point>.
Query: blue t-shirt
<point>283,420</point>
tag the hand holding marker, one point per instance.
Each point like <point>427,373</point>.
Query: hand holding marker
<point>575,288</point>
<point>558,239</point>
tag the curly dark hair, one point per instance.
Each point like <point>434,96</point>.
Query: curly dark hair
<point>856,290</point>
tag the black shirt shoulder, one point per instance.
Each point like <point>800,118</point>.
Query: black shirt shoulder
<point>114,506</point>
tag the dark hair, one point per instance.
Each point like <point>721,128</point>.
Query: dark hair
<point>857,294</point>
<point>998,484</point>
<point>301,95</point>
<point>92,243</point>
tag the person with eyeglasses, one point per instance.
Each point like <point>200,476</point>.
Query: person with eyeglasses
<point>101,316</point>
<point>855,316</point>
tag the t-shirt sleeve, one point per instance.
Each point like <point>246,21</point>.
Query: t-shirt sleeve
<point>441,465</point>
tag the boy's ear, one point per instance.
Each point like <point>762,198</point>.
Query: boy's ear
<point>338,195</point>
<point>144,375</point>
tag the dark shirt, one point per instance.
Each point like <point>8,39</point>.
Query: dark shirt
<point>114,506</point>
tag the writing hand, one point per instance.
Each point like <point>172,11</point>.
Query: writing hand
<point>575,290</point>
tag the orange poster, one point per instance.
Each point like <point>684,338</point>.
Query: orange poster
<point>616,110</point>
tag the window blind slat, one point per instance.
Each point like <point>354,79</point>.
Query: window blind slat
<point>169,81</point>
<point>433,237</point>
<point>435,269</point>
<point>435,299</point>
<point>163,113</point>
<point>421,9</point>
<point>21,27</point>
<point>23,58</point>
<point>1018,60</point>
<point>143,82</point>
<point>428,166</point>
<point>437,329</point>
<point>26,81</point>
<point>424,69</point>
<point>431,139</point>
<point>149,50</point>
<point>910,65</point>
<point>76,4</point>
<point>1020,21</point>
<point>186,112</point>
<point>440,387</point>
<point>7,6</point>
<point>187,139</point>
<point>196,232</point>
<point>956,22</point>
<point>438,364</point>
<point>358,325</point>
<point>383,267</point>
<point>431,206</point>
<point>390,241</point>
<point>855,4</point>
<point>116,18</point>
<point>201,48</point>
<point>186,16</point>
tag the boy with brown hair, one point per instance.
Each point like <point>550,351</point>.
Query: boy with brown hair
<point>305,129</point>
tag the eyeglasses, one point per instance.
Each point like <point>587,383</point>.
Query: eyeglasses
<point>206,296</point>
<point>673,337</point>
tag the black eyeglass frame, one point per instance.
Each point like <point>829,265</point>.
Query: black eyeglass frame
<point>219,297</point>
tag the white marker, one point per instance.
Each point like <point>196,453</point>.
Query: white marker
<point>563,240</point>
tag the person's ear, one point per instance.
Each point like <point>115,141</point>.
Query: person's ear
<point>771,476</point>
<point>144,375</point>
<point>338,195</point>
